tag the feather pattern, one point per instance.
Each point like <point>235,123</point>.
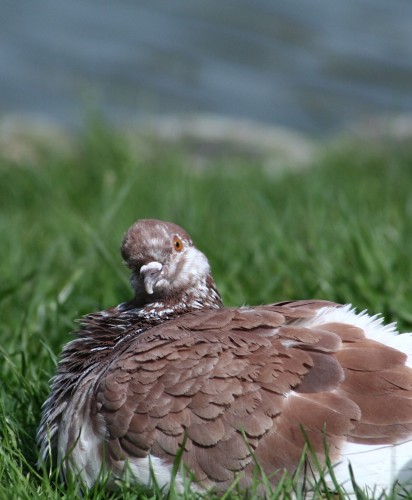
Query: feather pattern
<point>173,366</point>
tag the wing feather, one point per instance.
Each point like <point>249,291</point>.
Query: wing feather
<point>213,377</point>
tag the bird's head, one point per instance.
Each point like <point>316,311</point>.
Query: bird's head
<point>165,264</point>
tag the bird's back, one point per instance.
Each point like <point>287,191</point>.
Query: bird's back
<point>231,383</point>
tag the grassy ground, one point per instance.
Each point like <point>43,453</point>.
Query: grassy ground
<point>340,230</point>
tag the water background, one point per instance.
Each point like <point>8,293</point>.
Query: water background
<point>312,65</point>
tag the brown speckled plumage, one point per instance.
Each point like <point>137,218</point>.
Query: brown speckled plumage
<point>173,365</point>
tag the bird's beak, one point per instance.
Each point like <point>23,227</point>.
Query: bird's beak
<point>150,275</point>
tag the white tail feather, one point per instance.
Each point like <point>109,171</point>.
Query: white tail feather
<point>379,465</point>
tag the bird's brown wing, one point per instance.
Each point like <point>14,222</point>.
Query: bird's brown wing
<point>217,375</point>
<point>378,381</point>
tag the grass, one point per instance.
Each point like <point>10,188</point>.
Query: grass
<point>340,230</point>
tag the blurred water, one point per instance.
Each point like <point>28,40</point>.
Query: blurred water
<point>312,65</point>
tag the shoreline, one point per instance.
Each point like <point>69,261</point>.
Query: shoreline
<point>28,137</point>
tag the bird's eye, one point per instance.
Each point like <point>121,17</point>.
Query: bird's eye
<point>177,244</point>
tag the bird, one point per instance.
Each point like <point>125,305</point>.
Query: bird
<point>172,371</point>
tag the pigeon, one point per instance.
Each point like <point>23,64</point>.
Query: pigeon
<point>172,371</point>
